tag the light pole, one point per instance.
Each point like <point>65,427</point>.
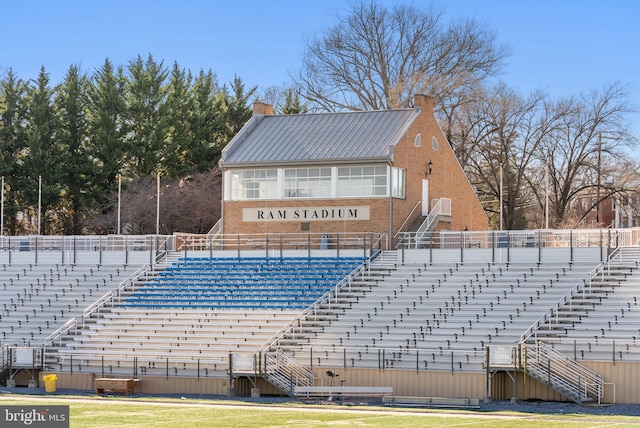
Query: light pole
<point>119,201</point>
<point>546,198</point>
<point>2,208</point>
<point>501,200</point>
<point>598,180</point>
<point>39,202</point>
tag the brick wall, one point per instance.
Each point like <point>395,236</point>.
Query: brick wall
<point>378,222</point>
<point>446,180</point>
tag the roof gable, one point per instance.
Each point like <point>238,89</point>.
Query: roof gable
<point>322,137</point>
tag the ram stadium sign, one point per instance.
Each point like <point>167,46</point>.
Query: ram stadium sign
<point>306,214</point>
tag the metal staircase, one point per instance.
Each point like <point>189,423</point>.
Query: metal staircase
<point>285,374</point>
<point>283,371</point>
<point>562,374</point>
<point>441,210</point>
<point>4,364</point>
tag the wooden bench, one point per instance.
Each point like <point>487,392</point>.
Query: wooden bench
<point>431,402</point>
<point>124,386</point>
<point>348,391</point>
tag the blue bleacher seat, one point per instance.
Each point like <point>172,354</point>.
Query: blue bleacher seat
<point>247,283</point>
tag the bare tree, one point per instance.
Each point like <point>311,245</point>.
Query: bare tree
<point>188,204</point>
<point>504,132</point>
<point>284,99</point>
<point>585,150</point>
<point>379,58</point>
<point>192,204</point>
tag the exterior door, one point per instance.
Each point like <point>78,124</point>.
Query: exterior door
<point>425,197</point>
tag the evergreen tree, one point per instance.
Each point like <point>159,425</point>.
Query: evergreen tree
<point>106,107</point>
<point>208,122</point>
<point>147,123</point>
<point>72,136</point>
<point>238,109</point>
<point>179,107</point>
<point>80,138</point>
<point>292,104</point>
<point>43,158</point>
<point>12,143</point>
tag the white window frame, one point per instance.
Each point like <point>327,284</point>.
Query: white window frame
<point>362,181</point>
<point>313,182</point>
<point>253,184</point>
<point>398,182</point>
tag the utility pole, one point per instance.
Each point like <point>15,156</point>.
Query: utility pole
<point>598,180</point>
<point>546,198</point>
<point>501,199</point>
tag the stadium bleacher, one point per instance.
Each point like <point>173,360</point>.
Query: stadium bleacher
<point>411,315</point>
<point>203,308</point>
<point>38,299</point>
<point>435,310</point>
<point>243,283</point>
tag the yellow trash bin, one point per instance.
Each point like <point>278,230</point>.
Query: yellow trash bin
<point>50,382</point>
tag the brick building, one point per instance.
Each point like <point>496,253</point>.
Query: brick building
<point>368,171</point>
<point>613,211</point>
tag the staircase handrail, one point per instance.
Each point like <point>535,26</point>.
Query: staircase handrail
<point>440,208</point>
<point>564,371</point>
<point>4,357</point>
<point>548,315</point>
<point>161,254</point>
<point>285,372</point>
<point>326,297</point>
<point>109,296</point>
<point>215,229</point>
<point>302,372</point>
<point>59,332</point>
<point>406,220</point>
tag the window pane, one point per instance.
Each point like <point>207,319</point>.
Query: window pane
<point>307,183</point>
<point>254,184</point>
<point>358,181</point>
<point>398,183</point>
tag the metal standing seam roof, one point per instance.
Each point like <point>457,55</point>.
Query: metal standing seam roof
<point>320,137</point>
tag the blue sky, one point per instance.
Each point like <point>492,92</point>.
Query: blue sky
<point>564,47</point>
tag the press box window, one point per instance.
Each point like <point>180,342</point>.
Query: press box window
<point>398,183</point>
<point>362,181</point>
<point>254,184</point>
<point>307,183</point>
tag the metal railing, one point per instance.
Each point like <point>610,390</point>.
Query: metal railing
<point>139,363</point>
<point>406,220</point>
<point>277,243</point>
<point>159,245</point>
<point>93,243</point>
<point>359,272</point>
<point>548,316</point>
<point>563,374</point>
<point>541,238</point>
<point>286,373</point>
<point>597,348</point>
<point>215,229</point>
<point>57,334</point>
<point>441,208</point>
<point>112,295</point>
<point>284,370</point>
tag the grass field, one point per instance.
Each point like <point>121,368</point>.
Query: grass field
<point>116,412</point>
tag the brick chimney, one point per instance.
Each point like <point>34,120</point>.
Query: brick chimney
<point>423,101</point>
<point>262,108</point>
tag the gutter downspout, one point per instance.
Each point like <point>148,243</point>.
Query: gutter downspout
<point>222,204</point>
<point>390,175</point>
